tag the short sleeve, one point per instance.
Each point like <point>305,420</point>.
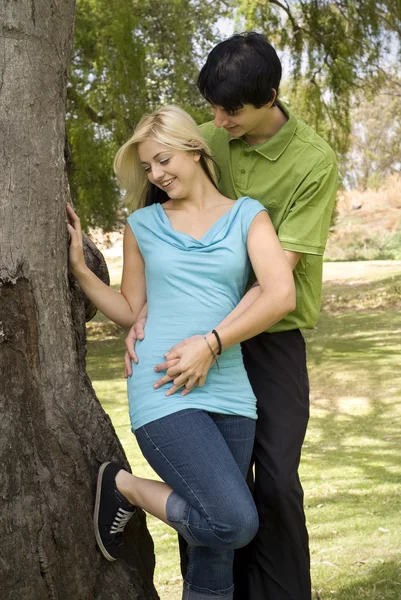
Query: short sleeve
<point>250,209</point>
<point>306,227</point>
<point>140,222</point>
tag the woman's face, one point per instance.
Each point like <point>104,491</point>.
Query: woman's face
<point>173,171</point>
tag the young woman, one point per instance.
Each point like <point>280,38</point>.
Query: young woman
<point>189,259</point>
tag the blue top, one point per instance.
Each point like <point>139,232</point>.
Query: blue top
<point>191,285</point>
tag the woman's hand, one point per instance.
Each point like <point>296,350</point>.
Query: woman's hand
<point>187,365</point>
<point>76,252</point>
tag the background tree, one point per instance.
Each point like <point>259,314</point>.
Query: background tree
<point>53,431</point>
<point>335,48</point>
<point>375,148</point>
<point>129,57</point>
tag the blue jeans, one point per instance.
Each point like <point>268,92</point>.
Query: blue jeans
<point>204,457</point>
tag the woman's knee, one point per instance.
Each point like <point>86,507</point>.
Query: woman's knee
<point>246,528</point>
<point>239,528</point>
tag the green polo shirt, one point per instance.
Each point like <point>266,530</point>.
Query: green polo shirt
<point>294,175</point>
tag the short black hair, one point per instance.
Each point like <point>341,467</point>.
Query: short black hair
<point>244,69</point>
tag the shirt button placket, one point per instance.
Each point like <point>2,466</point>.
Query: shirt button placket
<point>245,162</point>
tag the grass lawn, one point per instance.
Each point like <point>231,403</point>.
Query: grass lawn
<point>351,468</point>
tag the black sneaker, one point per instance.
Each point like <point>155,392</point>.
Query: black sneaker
<point>112,512</point>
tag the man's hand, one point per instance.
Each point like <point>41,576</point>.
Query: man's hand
<point>187,365</point>
<point>170,363</point>
<point>137,332</point>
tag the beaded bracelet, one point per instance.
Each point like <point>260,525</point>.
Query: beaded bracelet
<point>212,353</point>
<point>220,348</point>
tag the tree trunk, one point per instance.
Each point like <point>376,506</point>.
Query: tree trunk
<point>53,431</point>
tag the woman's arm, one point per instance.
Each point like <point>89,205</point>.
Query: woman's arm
<point>121,307</point>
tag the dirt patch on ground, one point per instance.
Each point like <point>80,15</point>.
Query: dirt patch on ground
<point>368,224</point>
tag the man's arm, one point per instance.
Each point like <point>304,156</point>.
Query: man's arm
<point>275,300</point>
<point>293,258</point>
<point>306,226</point>
<point>137,330</point>
<point>255,291</point>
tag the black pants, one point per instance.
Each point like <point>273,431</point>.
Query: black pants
<point>275,566</point>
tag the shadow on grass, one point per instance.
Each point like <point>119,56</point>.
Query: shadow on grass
<point>356,382</point>
<point>350,466</point>
<point>105,357</point>
<point>358,294</point>
<point>380,582</point>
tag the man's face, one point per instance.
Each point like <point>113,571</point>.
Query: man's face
<point>247,120</point>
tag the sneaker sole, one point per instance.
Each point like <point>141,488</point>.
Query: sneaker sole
<point>96,514</point>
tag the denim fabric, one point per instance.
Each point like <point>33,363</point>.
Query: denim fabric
<point>204,457</point>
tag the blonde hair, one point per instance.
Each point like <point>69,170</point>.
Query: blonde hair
<point>171,126</point>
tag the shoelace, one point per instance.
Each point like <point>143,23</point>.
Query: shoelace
<point>120,520</point>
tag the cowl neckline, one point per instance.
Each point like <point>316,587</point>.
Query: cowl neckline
<point>214,235</point>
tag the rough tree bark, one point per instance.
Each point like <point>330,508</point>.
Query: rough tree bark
<point>53,431</point>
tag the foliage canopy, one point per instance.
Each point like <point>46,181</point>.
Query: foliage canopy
<point>375,149</point>
<point>130,56</point>
<point>335,47</point>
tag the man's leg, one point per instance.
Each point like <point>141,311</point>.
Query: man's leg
<point>277,561</point>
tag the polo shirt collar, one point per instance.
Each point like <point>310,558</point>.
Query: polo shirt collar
<point>273,148</point>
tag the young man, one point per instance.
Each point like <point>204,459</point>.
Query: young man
<point>264,152</point>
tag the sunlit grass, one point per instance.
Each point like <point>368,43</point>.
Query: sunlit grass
<point>351,467</point>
